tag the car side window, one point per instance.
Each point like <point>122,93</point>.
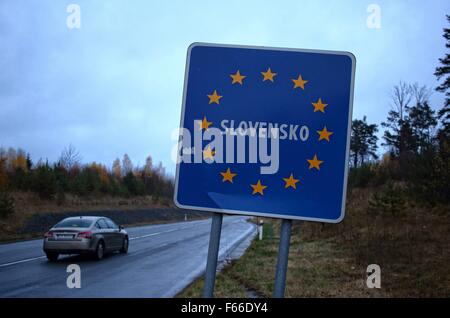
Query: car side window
<point>102,224</point>
<point>111,224</point>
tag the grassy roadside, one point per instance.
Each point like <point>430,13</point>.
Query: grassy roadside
<point>328,260</point>
<point>316,269</point>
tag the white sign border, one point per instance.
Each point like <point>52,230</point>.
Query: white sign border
<point>350,113</point>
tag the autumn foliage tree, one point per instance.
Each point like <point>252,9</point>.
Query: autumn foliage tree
<point>70,175</point>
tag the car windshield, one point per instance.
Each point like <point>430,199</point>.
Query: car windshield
<point>74,223</point>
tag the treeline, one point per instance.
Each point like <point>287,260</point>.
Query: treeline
<point>417,163</point>
<point>70,176</point>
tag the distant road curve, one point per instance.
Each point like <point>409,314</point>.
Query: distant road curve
<point>162,260</point>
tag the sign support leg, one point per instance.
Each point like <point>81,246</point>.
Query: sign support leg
<point>283,254</point>
<point>213,253</point>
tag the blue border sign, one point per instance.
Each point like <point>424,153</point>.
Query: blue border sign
<point>265,132</point>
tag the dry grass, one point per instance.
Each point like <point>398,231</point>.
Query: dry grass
<point>328,260</point>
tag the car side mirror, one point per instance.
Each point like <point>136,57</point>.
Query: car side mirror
<point>120,227</point>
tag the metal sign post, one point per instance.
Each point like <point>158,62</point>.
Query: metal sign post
<point>283,256</point>
<point>213,253</point>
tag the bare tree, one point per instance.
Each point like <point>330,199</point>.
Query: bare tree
<point>401,97</point>
<point>127,165</point>
<point>421,94</point>
<point>70,158</point>
<point>11,155</point>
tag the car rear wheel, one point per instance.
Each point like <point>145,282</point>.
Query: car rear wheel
<point>52,257</point>
<point>100,250</point>
<point>124,248</point>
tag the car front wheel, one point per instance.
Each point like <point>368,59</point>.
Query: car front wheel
<point>124,248</point>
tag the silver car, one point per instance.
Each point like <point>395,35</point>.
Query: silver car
<point>85,234</point>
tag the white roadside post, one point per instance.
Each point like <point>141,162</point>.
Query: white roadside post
<point>260,231</point>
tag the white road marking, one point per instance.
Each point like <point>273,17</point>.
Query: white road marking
<point>21,261</point>
<point>147,235</point>
<point>152,234</point>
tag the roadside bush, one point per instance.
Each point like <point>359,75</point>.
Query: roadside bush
<point>134,185</point>
<point>388,201</point>
<point>6,205</point>
<point>60,197</point>
<point>430,179</point>
<point>45,182</point>
<point>361,177</point>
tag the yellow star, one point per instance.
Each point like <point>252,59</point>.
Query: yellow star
<point>228,175</point>
<point>268,75</point>
<point>314,163</point>
<point>258,188</point>
<point>290,182</point>
<point>204,124</point>
<point>237,78</point>
<point>214,98</point>
<point>324,134</point>
<point>208,153</point>
<point>319,106</point>
<point>299,82</point>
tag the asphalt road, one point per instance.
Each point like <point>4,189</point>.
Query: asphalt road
<point>162,260</point>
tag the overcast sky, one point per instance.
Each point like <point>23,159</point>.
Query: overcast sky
<point>115,85</point>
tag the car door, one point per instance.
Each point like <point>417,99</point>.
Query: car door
<point>116,235</point>
<point>106,233</point>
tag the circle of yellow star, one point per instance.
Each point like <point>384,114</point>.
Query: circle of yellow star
<point>258,188</point>
<point>299,82</point>
<point>214,98</point>
<point>319,106</point>
<point>208,153</point>
<point>314,163</point>
<point>237,78</point>
<point>290,182</point>
<point>268,75</point>
<point>204,124</point>
<point>324,134</point>
<point>228,175</point>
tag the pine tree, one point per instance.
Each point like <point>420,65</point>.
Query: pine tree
<point>388,201</point>
<point>441,165</point>
<point>363,141</point>
<point>401,97</point>
<point>422,121</point>
<point>29,162</point>
<point>45,183</point>
<point>443,71</point>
